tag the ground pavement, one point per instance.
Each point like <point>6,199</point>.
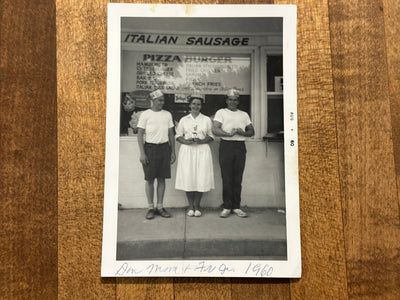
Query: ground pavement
<point>260,236</point>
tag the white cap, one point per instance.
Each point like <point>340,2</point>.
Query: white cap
<point>156,94</point>
<point>232,93</point>
<point>198,96</point>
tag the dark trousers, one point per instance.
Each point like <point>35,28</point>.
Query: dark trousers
<point>232,159</point>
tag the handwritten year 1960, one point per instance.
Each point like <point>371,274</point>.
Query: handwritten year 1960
<point>259,270</point>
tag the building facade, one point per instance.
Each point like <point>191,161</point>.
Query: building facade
<point>207,56</point>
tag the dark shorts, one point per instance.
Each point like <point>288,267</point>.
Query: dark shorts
<point>159,157</point>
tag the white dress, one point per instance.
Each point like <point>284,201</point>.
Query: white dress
<point>195,166</point>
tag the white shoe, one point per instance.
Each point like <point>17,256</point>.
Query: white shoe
<point>225,213</point>
<point>240,213</point>
<point>197,213</point>
<point>190,213</point>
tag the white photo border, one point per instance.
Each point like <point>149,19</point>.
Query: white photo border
<point>290,268</point>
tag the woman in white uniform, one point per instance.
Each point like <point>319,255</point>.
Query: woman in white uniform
<point>194,173</point>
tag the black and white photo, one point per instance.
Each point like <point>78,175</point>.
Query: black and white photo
<point>201,171</point>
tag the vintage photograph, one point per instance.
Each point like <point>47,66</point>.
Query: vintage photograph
<point>201,129</point>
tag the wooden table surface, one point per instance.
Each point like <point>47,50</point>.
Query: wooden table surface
<point>52,129</point>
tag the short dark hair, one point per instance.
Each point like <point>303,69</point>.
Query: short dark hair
<point>130,95</point>
<point>190,99</point>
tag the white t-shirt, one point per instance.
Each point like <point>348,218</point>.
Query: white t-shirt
<point>190,127</point>
<point>156,125</point>
<point>230,120</point>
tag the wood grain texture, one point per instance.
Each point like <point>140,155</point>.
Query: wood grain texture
<point>81,88</point>
<point>202,288</point>
<point>28,151</point>
<point>391,9</point>
<point>243,288</point>
<point>368,181</point>
<point>323,258</point>
<point>349,145</point>
<point>145,288</point>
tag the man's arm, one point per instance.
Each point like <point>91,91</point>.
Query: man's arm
<point>249,131</point>
<point>217,130</point>
<point>171,138</point>
<point>140,138</point>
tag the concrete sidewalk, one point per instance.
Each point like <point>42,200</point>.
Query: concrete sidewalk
<point>260,236</point>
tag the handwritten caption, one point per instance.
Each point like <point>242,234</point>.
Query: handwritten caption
<point>198,268</point>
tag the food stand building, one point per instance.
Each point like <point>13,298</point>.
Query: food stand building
<point>207,56</point>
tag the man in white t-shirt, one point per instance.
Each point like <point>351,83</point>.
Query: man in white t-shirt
<point>233,126</point>
<point>157,151</point>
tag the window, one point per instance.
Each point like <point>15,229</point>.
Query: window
<point>179,75</point>
<point>274,94</point>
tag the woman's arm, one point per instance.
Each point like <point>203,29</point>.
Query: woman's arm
<point>206,140</point>
<point>182,140</point>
